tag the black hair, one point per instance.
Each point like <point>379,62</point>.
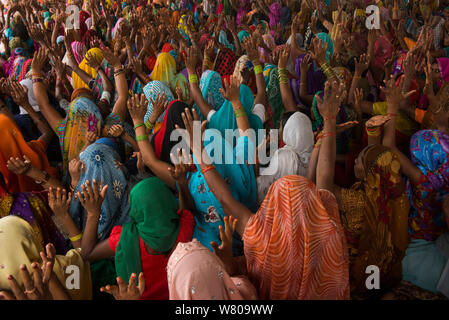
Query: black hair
<point>19,30</point>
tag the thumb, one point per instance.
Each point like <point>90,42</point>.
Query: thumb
<point>214,246</point>
<point>26,158</point>
<point>103,191</point>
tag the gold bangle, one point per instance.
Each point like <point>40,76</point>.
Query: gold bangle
<point>77,237</point>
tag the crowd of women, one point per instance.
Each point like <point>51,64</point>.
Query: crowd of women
<point>98,201</point>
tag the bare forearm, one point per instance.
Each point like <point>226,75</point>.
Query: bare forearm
<point>326,160</point>
<point>122,89</point>
<point>50,114</point>
<point>311,169</point>
<point>185,198</point>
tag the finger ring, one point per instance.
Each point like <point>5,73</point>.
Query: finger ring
<point>30,291</point>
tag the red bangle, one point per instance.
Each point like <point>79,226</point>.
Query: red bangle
<point>329,134</point>
<point>208,168</point>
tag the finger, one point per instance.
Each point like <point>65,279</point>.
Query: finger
<point>103,191</point>
<point>95,189</point>
<point>4,295</point>
<point>141,286</point>
<point>16,289</point>
<point>27,282</point>
<point>122,287</point>
<point>132,282</point>
<point>37,276</point>
<point>214,246</point>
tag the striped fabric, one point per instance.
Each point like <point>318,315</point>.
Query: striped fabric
<point>294,246</point>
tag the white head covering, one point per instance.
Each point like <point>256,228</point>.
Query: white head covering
<point>285,162</point>
<point>28,84</point>
<point>298,135</point>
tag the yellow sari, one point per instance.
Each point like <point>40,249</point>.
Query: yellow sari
<point>77,82</point>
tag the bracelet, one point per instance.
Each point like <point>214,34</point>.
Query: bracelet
<point>258,69</point>
<point>373,132</point>
<point>208,168</point>
<point>240,112</point>
<point>143,137</point>
<point>77,237</point>
<point>138,125</point>
<point>318,144</point>
<point>37,74</point>
<point>91,83</point>
<point>149,125</point>
<point>36,80</point>
<point>118,72</point>
<point>193,78</point>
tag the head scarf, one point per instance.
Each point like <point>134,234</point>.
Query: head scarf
<point>164,69</point>
<point>210,86</point>
<point>241,64</point>
<point>83,116</point>
<point>162,140</point>
<point>79,51</point>
<point>242,35</point>
<point>430,153</point>
<point>195,273</point>
<point>296,215</point>
<point>223,39</point>
<point>275,14</point>
<point>60,39</point>
<point>298,135</point>
<point>286,16</point>
<point>327,40</point>
<point>183,27</point>
<point>382,52</point>
<point>102,163</point>
<point>24,248</point>
<point>151,91</point>
<point>14,145</point>
<point>175,18</point>
<point>384,234</point>
<point>116,26</point>
<point>15,42</point>
<point>443,64</point>
<point>153,218</point>
<point>285,162</point>
<point>77,81</point>
<point>315,80</point>
<point>274,97</point>
<point>225,62</point>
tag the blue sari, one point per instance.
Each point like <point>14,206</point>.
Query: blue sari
<point>242,182</point>
<point>210,85</point>
<point>103,164</point>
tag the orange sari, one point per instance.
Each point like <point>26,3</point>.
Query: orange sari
<point>14,145</point>
<point>295,246</point>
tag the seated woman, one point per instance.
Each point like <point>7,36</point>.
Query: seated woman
<point>83,116</point>
<point>272,250</point>
<point>24,166</point>
<point>145,243</point>
<point>195,273</point>
<point>100,161</point>
<point>427,188</point>
<point>25,252</point>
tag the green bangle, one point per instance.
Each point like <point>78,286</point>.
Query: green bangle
<point>149,125</point>
<point>239,113</point>
<point>193,78</point>
<point>143,137</point>
<point>258,69</point>
<point>138,125</point>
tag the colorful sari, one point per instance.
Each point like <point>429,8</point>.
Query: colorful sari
<point>210,86</point>
<point>14,145</point>
<point>32,207</point>
<point>374,214</point>
<point>77,82</point>
<point>151,91</point>
<point>102,163</point>
<point>295,246</point>
<point>274,97</point>
<point>430,153</point>
<point>195,273</point>
<point>24,247</point>
<point>83,117</point>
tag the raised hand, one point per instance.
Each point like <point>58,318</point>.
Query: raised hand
<point>122,291</point>
<point>334,95</point>
<point>92,61</point>
<point>319,50</point>
<point>232,90</point>
<point>378,121</point>
<point>182,164</point>
<point>283,57</point>
<point>111,58</point>
<point>224,251</point>
<point>92,196</point>
<point>59,201</point>
<point>209,50</point>
<point>39,59</point>
<point>305,64</point>
<point>116,131</point>
<point>137,107</point>
<point>251,49</point>
<point>19,166</point>
<point>159,106</point>
<point>191,59</point>
<point>195,143</point>
<point>394,93</point>
<point>19,94</point>
<point>362,64</point>
<point>35,289</point>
